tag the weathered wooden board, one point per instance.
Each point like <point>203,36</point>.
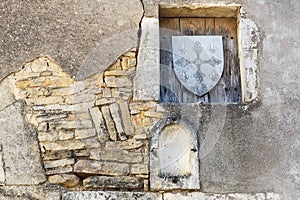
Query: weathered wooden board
<point>228,89</point>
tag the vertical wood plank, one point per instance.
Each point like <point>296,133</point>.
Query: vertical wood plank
<point>192,26</point>
<point>228,88</point>
<point>231,76</point>
<point>169,85</point>
<point>216,94</point>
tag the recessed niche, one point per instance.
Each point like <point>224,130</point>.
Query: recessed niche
<point>174,162</point>
<point>200,21</point>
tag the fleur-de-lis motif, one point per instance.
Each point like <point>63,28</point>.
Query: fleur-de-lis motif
<point>212,48</point>
<point>197,47</point>
<point>182,62</point>
<point>182,48</point>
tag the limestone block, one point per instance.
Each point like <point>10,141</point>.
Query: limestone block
<point>65,135</point>
<point>106,92</point>
<point>129,129</point>
<point>47,136</point>
<point>46,118</point>
<point>153,114</point>
<point>79,115</point>
<point>30,192</point>
<point>84,133</point>
<point>143,106</point>
<point>58,163</point>
<point>103,195</point>
<point>44,126</point>
<point>115,73</point>
<point>104,101</point>
<point>99,124</point>
<point>49,81</point>
<point>146,81</point>
<point>95,154</point>
<point>108,182</point>
<point>56,155</point>
<point>139,169</point>
<point>2,173</point>
<point>19,142</point>
<point>62,107</point>
<point>82,153</point>
<point>62,145</point>
<point>6,94</point>
<point>37,92</point>
<point>76,124</point>
<point>80,98</point>
<point>273,196</point>
<point>66,180</point>
<point>112,81</point>
<point>44,100</point>
<point>109,123</point>
<point>174,162</point>
<point>119,93</point>
<point>121,156</point>
<point>249,34</point>
<point>125,145</point>
<point>91,142</point>
<point>62,170</point>
<point>249,78</point>
<point>24,74</point>
<point>101,168</point>
<point>236,196</point>
<point>115,114</point>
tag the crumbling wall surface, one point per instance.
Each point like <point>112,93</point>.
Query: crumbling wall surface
<point>91,135</point>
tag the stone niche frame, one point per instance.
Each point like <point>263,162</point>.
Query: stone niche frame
<point>147,79</point>
<point>189,178</point>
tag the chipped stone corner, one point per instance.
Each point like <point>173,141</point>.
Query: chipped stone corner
<point>146,81</point>
<point>249,38</point>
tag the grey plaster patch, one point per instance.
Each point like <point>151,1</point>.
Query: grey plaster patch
<point>21,153</point>
<point>6,95</point>
<point>102,195</point>
<point>66,30</point>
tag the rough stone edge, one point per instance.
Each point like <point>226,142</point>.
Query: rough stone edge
<point>163,184</point>
<point>236,196</point>
<point>248,46</point>
<point>103,195</point>
<point>146,82</point>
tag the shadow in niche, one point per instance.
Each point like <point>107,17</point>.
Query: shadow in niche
<point>174,160</point>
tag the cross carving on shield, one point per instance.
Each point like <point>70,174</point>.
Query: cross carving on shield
<point>198,62</point>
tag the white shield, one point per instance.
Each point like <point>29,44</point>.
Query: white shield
<point>198,61</point>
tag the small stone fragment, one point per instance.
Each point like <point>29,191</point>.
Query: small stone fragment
<point>109,182</point>
<point>66,180</point>
<point>58,163</point>
<point>109,123</point>
<point>99,124</point>
<point>115,113</point>
<point>101,168</point>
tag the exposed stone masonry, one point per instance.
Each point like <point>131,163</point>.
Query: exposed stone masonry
<point>91,134</point>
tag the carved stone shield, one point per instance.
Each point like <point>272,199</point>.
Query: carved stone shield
<point>198,62</point>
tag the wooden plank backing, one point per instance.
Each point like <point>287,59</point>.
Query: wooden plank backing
<point>228,88</point>
<point>169,85</point>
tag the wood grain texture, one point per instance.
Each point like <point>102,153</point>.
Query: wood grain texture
<point>228,89</point>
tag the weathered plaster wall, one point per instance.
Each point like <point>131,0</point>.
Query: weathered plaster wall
<point>258,149</point>
<point>66,30</point>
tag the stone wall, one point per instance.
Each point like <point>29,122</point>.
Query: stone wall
<point>91,134</point>
<point>59,136</point>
